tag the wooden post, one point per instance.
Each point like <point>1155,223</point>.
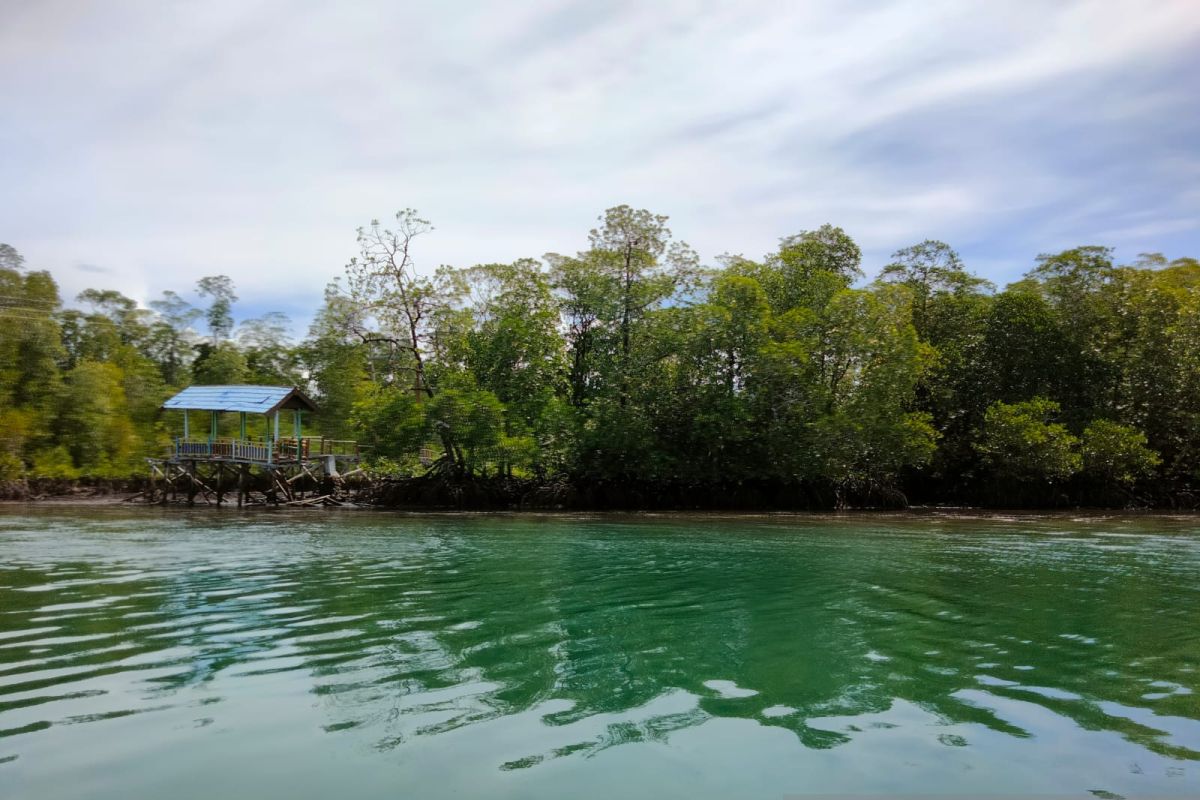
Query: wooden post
<point>243,475</point>
<point>186,432</point>
<point>191,488</point>
<point>242,426</point>
<point>296,431</point>
<point>220,483</point>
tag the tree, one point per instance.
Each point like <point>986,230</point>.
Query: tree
<point>512,347</point>
<point>929,269</point>
<point>94,424</point>
<point>1023,351</point>
<point>866,362</point>
<point>611,295</point>
<point>632,267</point>
<point>1019,441</point>
<point>737,321</point>
<point>701,401</point>
<point>587,304</point>
<point>221,365</point>
<point>265,344</point>
<point>340,366</point>
<point>1074,273</point>
<point>219,288</point>
<point>636,245</point>
<point>389,421</point>
<point>116,322</point>
<point>171,341</point>
<point>10,259</point>
<point>1117,454</point>
<point>630,365</point>
<point>809,268</point>
<point>473,422</point>
<point>391,303</point>
<point>30,354</point>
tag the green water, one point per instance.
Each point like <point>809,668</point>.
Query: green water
<point>151,654</point>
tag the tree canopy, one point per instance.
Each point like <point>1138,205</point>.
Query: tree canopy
<point>628,363</point>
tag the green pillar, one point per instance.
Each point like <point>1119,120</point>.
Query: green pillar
<point>242,426</point>
<point>185,425</point>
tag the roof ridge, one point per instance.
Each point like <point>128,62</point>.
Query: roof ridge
<point>250,398</point>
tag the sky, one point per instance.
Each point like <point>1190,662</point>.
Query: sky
<point>146,144</point>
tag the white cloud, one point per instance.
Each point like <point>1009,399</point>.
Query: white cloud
<point>165,142</point>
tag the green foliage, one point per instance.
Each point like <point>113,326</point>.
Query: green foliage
<point>10,260</point>
<point>808,269</point>
<point>16,429</point>
<point>471,426</point>
<point>389,420</point>
<point>932,271</point>
<point>511,344</point>
<point>1117,453</point>
<point>270,358</point>
<point>219,290</point>
<point>628,362</point>
<point>338,365</point>
<point>220,365</point>
<point>1073,274</point>
<point>94,423</point>
<point>170,339</point>
<point>30,354</point>
<point>1019,441</point>
<point>57,462</point>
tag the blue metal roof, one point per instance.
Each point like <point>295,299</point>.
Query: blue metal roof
<point>251,399</point>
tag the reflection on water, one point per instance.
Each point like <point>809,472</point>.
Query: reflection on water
<point>362,654</point>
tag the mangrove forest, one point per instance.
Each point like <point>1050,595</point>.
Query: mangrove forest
<point>630,374</point>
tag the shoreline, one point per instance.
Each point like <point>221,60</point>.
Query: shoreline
<point>440,493</point>
<point>130,500</point>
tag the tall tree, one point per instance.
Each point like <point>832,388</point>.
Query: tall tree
<point>809,268</point>
<point>391,303</point>
<point>929,269</point>
<point>30,354</point>
<point>10,259</point>
<point>266,344</point>
<point>219,315</point>
<point>171,341</point>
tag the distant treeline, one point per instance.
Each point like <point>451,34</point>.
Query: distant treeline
<point>630,374</point>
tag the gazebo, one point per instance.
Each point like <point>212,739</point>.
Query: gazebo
<point>269,401</point>
<point>199,459</point>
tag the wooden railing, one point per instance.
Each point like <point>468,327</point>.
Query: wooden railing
<point>336,447</point>
<point>263,451</point>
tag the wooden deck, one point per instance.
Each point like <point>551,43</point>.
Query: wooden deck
<point>262,452</point>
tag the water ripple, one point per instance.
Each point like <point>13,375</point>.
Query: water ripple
<point>530,644</point>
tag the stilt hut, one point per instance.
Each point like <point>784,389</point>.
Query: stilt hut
<point>202,455</point>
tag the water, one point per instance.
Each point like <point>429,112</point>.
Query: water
<point>315,655</point>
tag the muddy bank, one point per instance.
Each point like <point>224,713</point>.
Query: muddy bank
<point>470,493</point>
<point>100,490</point>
